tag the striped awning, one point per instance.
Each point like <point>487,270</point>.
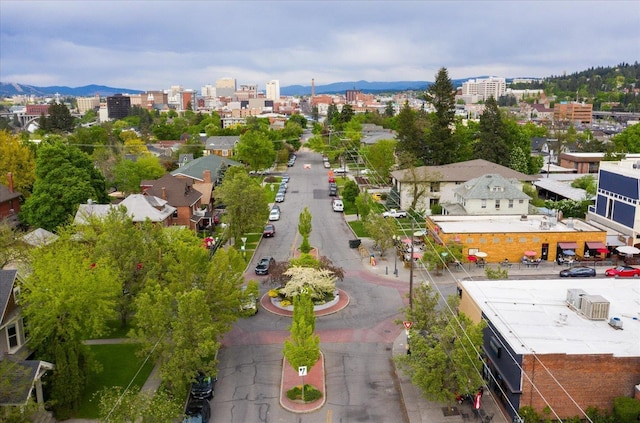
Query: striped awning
<point>596,245</point>
<point>568,245</point>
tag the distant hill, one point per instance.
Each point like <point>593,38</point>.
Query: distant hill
<point>9,89</point>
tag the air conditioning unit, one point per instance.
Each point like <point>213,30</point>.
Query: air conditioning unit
<point>636,165</point>
<point>594,307</point>
<point>574,297</point>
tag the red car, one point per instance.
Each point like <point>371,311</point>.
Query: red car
<point>269,231</point>
<point>623,272</point>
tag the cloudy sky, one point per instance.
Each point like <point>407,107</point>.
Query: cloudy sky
<point>151,45</point>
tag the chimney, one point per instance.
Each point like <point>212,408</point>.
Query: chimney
<point>10,179</point>
<point>206,176</point>
<point>164,193</point>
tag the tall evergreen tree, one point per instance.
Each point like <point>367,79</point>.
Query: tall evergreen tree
<point>60,119</point>
<point>441,145</point>
<point>410,137</point>
<point>492,145</point>
<point>303,346</point>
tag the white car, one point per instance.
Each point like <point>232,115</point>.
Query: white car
<point>395,213</point>
<point>327,165</point>
<point>274,214</point>
<point>338,205</point>
<point>280,197</point>
<point>340,170</point>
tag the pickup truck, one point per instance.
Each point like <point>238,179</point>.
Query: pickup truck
<point>395,213</point>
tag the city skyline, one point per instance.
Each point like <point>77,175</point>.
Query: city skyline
<point>153,45</point>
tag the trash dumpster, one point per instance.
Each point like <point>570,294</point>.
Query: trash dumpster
<point>354,243</point>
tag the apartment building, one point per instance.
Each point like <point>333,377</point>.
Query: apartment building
<point>485,88</point>
<point>617,199</point>
<point>88,103</point>
<point>226,87</point>
<point>573,112</point>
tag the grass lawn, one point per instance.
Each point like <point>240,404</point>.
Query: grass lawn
<point>119,367</point>
<point>358,228</point>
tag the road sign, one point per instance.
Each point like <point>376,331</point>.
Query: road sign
<point>302,371</point>
<point>407,325</point>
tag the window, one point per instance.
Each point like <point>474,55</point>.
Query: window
<point>484,204</point>
<point>225,153</point>
<point>510,204</point>
<point>175,213</point>
<point>434,187</point>
<point>497,204</point>
<point>12,335</point>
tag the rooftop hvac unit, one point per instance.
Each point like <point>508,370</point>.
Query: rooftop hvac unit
<point>615,323</point>
<point>636,165</point>
<point>574,297</point>
<point>594,307</point>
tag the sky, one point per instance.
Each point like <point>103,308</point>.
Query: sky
<point>152,45</point>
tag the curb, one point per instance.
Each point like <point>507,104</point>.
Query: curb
<point>304,408</point>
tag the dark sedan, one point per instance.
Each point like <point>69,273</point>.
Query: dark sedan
<point>262,268</point>
<point>578,272</point>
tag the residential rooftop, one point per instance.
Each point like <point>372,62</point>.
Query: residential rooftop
<point>509,223</point>
<point>534,317</point>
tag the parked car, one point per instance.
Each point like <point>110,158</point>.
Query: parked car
<point>203,386</point>
<point>274,215</point>
<point>279,197</point>
<point>262,268</point>
<point>333,190</point>
<point>578,272</point>
<point>376,196</point>
<point>275,207</point>
<point>269,231</point>
<point>395,213</point>
<point>340,170</point>
<point>283,187</point>
<point>248,302</point>
<point>198,410</point>
<point>327,165</point>
<point>285,177</point>
<point>337,205</point>
<point>623,272</point>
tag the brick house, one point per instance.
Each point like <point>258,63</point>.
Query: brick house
<point>178,193</point>
<point>9,202</point>
<point>550,344</point>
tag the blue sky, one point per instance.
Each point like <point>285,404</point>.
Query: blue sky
<point>152,45</point>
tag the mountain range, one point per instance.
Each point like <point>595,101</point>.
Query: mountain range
<point>10,89</point>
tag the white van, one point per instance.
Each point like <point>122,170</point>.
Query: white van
<point>337,205</point>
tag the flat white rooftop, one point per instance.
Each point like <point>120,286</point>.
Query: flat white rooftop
<point>528,314</point>
<point>508,223</point>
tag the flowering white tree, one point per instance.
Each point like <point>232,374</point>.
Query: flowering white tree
<point>316,282</point>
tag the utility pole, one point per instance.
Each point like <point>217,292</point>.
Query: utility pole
<point>411,271</point>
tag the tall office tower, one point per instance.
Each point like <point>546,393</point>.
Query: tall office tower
<point>273,90</point>
<point>118,106</point>
<point>226,87</point>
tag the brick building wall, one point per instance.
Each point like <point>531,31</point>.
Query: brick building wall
<point>591,380</point>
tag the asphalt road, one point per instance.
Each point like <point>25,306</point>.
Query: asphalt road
<point>356,342</point>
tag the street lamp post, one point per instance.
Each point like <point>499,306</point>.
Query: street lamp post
<point>411,271</point>
<point>395,256</point>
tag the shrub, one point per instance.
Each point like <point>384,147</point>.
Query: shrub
<point>626,410</point>
<point>310,393</point>
<point>285,303</point>
<point>273,293</point>
<point>270,179</point>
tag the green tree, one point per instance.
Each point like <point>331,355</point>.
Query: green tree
<point>440,142</point>
<point>187,304</point>
<point>65,178</point>
<point>350,191</point>
<point>444,347</point>
<point>302,348</point>
<point>382,231</point>
<point>518,160</point>
<point>363,205</point>
<point>17,158</point>
<point>90,139</point>
<point>11,246</point>
<point>129,173</point>
<point>628,141</point>
<point>389,110</point>
<point>60,119</point>
<point>245,200</point>
<point>410,134</point>
<point>380,159</point>
<point>304,228</point>
<point>256,150</point>
<point>492,144</point>
<point>67,298</point>
<point>587,183</point>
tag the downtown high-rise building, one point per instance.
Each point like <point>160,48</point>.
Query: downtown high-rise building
<point>226,87</point>
<point>273,90</point>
